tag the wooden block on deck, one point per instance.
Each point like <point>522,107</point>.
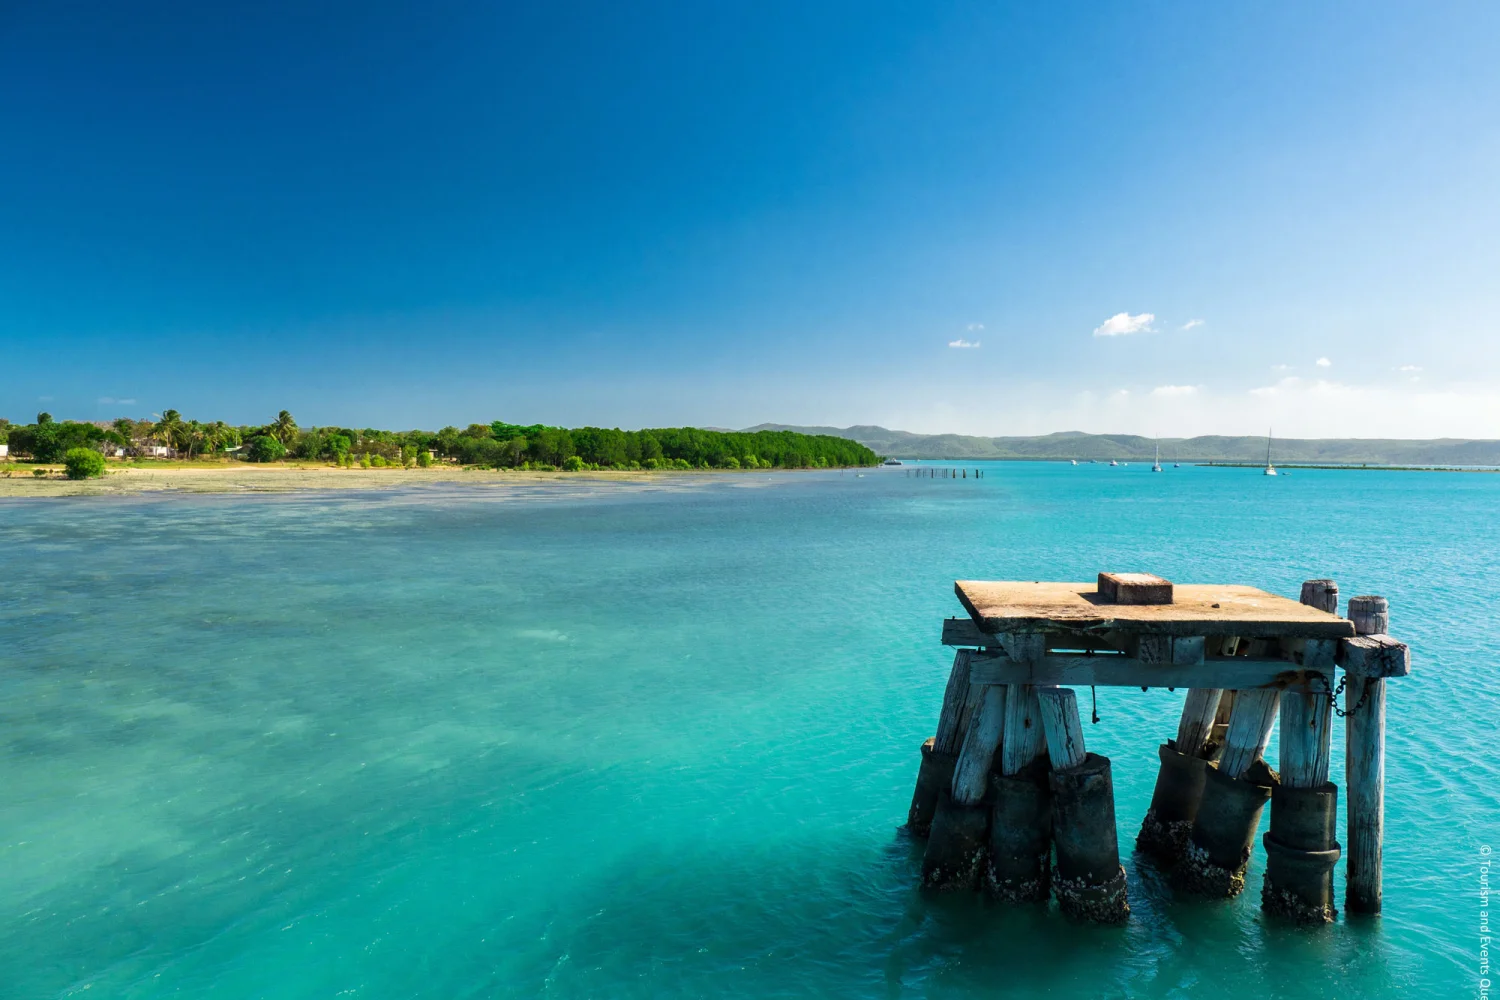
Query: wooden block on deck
<point>1134,588</point>
<point>1196,610</point>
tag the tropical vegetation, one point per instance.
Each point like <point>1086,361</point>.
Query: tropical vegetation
<point>83,463</point>
<point>494,445</point>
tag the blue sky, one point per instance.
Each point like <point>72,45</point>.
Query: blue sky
<point>1159,218</point>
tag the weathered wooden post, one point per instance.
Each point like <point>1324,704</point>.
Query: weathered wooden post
<point>1184,763</point>
<point>1020,868</point>
<point>957,842</point>
<point>940,753</point>
<point>1234,793</point>
<point>1090,882</point>
<point>1369,658</point>
<point>1301,849</point>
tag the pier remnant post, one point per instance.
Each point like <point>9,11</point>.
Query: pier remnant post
<point>1301,846</point>
<point>1090,882</point>
<point>1321,594</point>
<point>1234,793</point>
<point>1184,761</point>
<point>1020,868</point>
<point>1365,765</point>
<point>1025,741</point>
<point>940,753</point>
<point>956,844</point>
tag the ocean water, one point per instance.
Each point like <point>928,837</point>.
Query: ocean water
<point>657,740</point>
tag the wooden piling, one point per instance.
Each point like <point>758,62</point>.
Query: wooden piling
<point>1305,724</point>
<point>1365,766</point>
<point>940,753</point>
<point>1301,846</point>
<point>1321,594</point>
<point>971,775</point>
<point>1196,724</point>
<point>1062,727</point>
<point>1090,882</point>
<point>953,721</point>
<point>1023,740</point>
<point>1179,780</point>
<point>1234,793</point>
<point>1305,717</point>
<point>1249,730</point>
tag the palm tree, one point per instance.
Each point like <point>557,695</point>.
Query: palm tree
<point>284,429</point>
<point>194,436</point>
<point>218,436</point>
<point>169,430</point>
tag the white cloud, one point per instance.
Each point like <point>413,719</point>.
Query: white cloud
<point>1281,368</point>
<point>1287,384</point>
<point>972,327</point>
<point>1324,363</point>
<point>1175,390</point>
<point>1192,323</point>
<point>963,343</point>
<point>1123,323</point>
<point>110,400</point>
<point>1409,368</point>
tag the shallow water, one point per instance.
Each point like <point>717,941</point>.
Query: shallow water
<point>657,740</point>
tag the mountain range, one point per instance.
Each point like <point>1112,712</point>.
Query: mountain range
<point>1132,447</point>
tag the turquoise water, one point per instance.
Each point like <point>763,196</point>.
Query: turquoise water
<point>584,741</point>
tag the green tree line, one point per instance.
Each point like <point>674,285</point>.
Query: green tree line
<point>497,444</point>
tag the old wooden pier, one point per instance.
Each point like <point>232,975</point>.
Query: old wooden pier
<point>1010,800</point>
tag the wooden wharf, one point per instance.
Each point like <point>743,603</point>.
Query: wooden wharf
<point>1010,800</point>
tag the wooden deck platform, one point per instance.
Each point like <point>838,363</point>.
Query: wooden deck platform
<point>1197,610</point>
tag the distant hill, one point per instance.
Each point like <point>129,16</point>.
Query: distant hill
<point>1132,447</point>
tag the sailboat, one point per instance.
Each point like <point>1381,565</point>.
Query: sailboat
<point>1270,469</point>
<point>1156,465</point>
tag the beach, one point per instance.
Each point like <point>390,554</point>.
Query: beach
<point>17,481</point>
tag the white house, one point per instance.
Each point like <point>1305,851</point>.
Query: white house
<point>4,451</point>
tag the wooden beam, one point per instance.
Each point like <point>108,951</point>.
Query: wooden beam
<point>963,632</point>
<point>1234,673</point>
<point>1375,656</point>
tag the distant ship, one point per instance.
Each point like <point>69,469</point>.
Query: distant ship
<point>1075,461</point>
<point>1270,469</point>
<point>1156,466</point>
<point>891,461</point>
<point>1113,462</point>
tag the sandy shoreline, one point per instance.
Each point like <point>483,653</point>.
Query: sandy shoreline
<point>244,478</point>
